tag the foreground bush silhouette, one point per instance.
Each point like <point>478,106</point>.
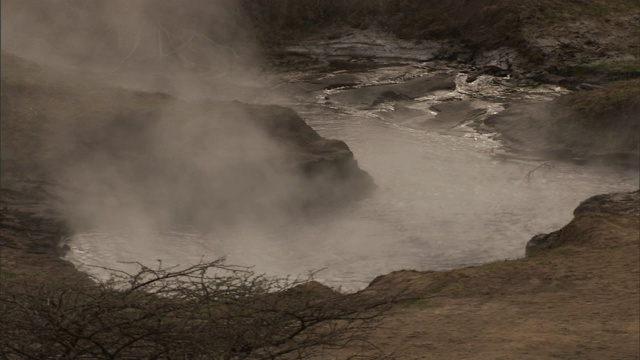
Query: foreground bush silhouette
<point>206,311</point>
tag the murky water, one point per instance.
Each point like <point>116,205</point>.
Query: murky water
<point>444,198</point>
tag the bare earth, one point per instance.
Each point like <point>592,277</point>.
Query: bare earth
<point>578,301</point>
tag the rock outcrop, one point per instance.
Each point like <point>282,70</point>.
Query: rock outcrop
<point>621,204</point>
<point>596,126</point>
<point>615,203</point>
<point>69,143</point>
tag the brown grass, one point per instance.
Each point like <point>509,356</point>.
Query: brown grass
<point>614,105</point>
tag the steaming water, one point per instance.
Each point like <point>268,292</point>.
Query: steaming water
<point>444,200</point>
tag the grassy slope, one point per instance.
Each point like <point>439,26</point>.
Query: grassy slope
<point>606,118</point>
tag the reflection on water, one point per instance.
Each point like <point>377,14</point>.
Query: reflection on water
<point>442,202</point>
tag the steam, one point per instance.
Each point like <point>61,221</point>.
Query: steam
<point>136,165</point>
<point>148,162</point>
<point>193,48</point>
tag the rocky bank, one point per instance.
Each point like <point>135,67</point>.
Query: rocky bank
<point>575,296</point>
<point>64,138</point>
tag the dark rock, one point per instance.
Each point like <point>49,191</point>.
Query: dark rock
<point>204,163</point>
<point>452,114</point>
<point>570,83</point>
<point>419,87</point>
<point>389,96</point>
<point>488,70</point>
<point>543,76</point>
<point>312,289</point>
<point>626,203</point>
<point>500,60</point>
<point>551,130</point>
<point>336,81</point>
<point>541,241</point>
<point>587,86</point>
<point>401,112</point>
<point>415,88</point>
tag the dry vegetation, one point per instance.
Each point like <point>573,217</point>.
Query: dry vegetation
<point>616,101</point>
<point>205,311</point>
<point>602,118</point>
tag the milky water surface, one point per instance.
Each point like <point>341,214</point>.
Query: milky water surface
<point>443,200</point>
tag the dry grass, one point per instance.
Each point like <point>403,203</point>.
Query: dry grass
<point>603,107</point>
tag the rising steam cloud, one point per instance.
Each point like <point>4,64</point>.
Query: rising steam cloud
<point>172,46</point>
<point>145,162</point>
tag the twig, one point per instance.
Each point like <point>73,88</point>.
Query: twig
<point>528,176</point>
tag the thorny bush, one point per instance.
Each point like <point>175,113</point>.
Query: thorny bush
<point>205,311</point>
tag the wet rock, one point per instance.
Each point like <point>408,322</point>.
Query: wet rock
<point>541,241</point>
<point>401,112</point>
<point>367,44</point>
<point>552,130</point>
<point>201,162</point>
<point>390,96</point>
<point>524,128</point>
<point>501,59</point>
<point>488,70</point>
<point>332,175</point>
<point>425,85</point>
<point>373,95</point>
<point>543,76</point>
<point>452,114</point>
<point>336,81</point>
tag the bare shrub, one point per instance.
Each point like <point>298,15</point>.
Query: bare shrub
<point>206,311</point>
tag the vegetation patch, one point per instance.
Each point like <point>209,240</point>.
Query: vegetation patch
<point>610,69</point>
<point>612,107</point>
<point>599,125</point>
<point>210,310</point>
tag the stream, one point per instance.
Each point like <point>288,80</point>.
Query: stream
<point>447,196</point>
